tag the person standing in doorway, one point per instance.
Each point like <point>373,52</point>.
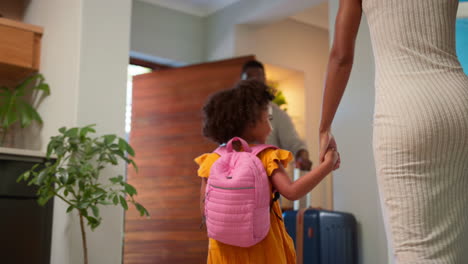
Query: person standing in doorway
<point>284,134</point>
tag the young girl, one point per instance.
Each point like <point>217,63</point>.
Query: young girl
<point>243,112</point>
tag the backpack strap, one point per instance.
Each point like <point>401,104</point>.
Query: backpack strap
<point>221,150</point>
<point>224,149</point>
<point>245,145</point>
<point>256,150</point>
<point>259,148</point>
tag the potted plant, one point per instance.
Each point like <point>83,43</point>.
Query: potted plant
<point>75,175</point>
<point>18,105</point>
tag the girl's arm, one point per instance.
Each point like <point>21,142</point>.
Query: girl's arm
<point>339,66</point>
<point>295,190</point>
<point>202,197</point>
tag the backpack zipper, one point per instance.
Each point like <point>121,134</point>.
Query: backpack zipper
<point>234,188</point>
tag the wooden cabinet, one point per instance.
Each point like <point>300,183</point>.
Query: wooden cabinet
<point>20,46</point>
<point>25,226</point>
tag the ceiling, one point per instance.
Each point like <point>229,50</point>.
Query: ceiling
<point>194,7</point>
<point>315,16</point>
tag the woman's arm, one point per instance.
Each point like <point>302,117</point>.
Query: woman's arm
<point>295,190</point>
<point>339,66</point>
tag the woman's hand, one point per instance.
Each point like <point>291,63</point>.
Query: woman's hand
<point>331,158</point>
<point>327,141</point>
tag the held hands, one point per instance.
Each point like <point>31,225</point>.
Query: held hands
<point>333,158</point>
<point>328,147</point>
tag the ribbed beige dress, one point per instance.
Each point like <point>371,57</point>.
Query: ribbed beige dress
<point>420,129</point>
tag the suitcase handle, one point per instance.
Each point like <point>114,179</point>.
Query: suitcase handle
<point>310,232</point>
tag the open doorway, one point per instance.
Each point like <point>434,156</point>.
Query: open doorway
<point>134,68</point>
<point>289,86</point>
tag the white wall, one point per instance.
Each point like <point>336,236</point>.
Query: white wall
<point>84,59</point>
<point>165,33</point>
<point>299,47</point>
<point>60,59</point>
<point>105,45</point>
<point>355,184</point>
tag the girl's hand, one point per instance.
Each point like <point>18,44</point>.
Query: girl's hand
<point>332,157</point>
<point>327,141</point>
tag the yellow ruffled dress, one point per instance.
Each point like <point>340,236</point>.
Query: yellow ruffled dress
<point>277,247</point>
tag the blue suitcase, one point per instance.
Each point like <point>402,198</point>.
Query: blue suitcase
<point>322,237</point>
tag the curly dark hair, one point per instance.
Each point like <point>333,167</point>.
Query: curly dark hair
<point>228,113</point>
<point>252,64</point>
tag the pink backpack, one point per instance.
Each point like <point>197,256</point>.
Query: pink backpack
<point>237,197</point>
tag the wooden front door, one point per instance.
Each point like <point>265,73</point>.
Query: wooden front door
<point>166,135</point>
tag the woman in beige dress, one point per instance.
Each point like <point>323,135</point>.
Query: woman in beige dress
<point>420,122</point>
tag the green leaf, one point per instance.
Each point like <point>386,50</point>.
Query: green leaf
<point>60,151</point>
<point>116,200</point>
<point>10,118</point>
<point>95,210</point>
<point>44,87</point>
<point>71,180</point>
<point>93,222</point>
<point>42,200</point>
<point>112,159</point>
<point>124,146</point>
<point>81,185</point>
<point>25,115</point>
<point>63,130</point>
<point>84,212</point>
<point>40,178</point>
<point>141,209</point>
<point>134,165</point>
<point>53,144</point>
<point>82,205</point>
<point>103,202</point>
<point>70,208</point>
<point>123,202</point>
<point>72,132</point>
<point>87,194</point>
<point>3,110</point>
<point>130,189</point>
<point>31,112</point>
<point>24,176</point>
<point>34,167</point>
<point>20,88</point>
<point>87,129</point>
<point>115,180</point>
<point>64,177</point>
<point>108,139</point>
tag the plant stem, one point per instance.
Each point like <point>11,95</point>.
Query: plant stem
<point>83,236</point>
<point>63,199</point>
